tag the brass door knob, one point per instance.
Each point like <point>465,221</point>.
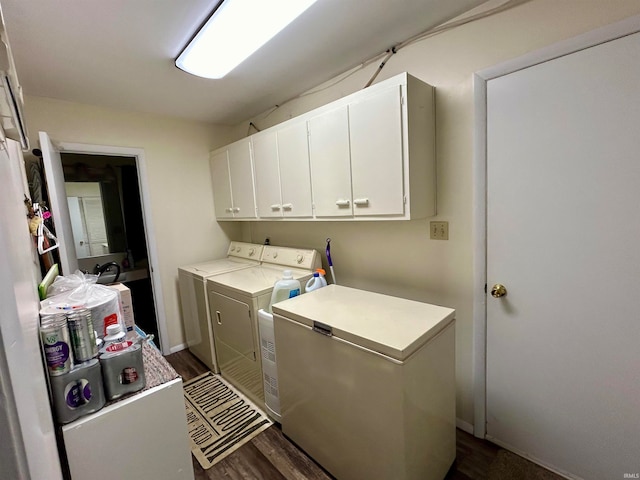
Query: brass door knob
<point>498,290</point>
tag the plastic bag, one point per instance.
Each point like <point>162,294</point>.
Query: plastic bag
<point>80,290</point>
<point>66,283</point>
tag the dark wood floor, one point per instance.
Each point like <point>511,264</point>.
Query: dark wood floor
<point>270,455</point>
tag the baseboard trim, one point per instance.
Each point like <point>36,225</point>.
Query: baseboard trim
<point>178,348</point>
<point>533,459</point>
<point>464,426</point>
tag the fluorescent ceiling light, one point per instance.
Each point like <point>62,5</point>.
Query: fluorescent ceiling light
<point>236,30</point>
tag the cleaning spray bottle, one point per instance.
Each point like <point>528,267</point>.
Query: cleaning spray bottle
<point>287,287</point>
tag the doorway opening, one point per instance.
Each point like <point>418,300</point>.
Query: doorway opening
<point>105,206</point>
<point>141,229</point>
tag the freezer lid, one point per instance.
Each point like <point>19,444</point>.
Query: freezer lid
<point>393,326</point>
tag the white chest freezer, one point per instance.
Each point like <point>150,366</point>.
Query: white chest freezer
<point>367,383</point>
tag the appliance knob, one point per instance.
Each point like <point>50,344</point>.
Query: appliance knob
<point>252,251</point>
<point>300,258</point>
<point>233,249</point>
<point>275,254</point>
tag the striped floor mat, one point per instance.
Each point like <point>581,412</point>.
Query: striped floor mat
<point>220,419</point>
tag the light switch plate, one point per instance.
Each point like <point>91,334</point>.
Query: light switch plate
<point>439,230</point>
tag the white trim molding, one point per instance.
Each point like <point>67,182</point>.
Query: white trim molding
<point>178,348</point>
<point>464,426</point>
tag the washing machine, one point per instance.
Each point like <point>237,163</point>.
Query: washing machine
<point>234,301</point>
<point>193,296</point>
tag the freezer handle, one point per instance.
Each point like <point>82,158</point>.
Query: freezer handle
<point>323,329</point>
<point>218,319</point>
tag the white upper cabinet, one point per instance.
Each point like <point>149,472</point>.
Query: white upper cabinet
<point>367,156</point>
<point>265,158</point>
<point>295,178</point>
<point>375,128</point>
<point>223,205</point>
<point>283,182</point>
<point>331,163</point>
<point>232,180</point>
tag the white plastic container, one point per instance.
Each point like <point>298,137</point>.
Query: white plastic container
<point>269,366</point>
<point>114,334</point>
<point>287,287</point>
<point>314,283</point>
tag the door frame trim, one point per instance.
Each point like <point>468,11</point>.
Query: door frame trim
<point>145,200</point>
<point>595,37</point>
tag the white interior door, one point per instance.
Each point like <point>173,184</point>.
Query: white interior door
<point>59,208</point>
<point>29,448</point>
<point>563,236</point>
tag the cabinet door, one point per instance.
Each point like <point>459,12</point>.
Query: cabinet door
<point>221,185</point>
<point>295,179</point>
<point>375,125</point>
<point>265,157</point>
<point>241,174</point>
<point>330,163</point>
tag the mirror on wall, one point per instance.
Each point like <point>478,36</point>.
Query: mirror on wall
<point>87,219</point>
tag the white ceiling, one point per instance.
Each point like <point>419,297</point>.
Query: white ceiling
<point>120,53</point>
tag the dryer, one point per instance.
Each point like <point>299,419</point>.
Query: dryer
<point>234,301</point>
<point>193,296</point>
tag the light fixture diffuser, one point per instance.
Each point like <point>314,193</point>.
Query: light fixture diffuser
<point>235,31</point>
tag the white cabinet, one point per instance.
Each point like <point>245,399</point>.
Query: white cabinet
<point>373,156</point>
<point>295,177</point>
<point>265,155</point>
<point>331,163</point>
<point>367,156</point>
<point>232,181</point>
<point>281,160</point>
<point>375,133</point>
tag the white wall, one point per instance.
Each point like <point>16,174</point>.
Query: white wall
<point>398,258</point>
<point>177,163</point>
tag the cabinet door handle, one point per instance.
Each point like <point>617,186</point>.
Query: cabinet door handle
<point>275,207</point>
<point>228,210</point>
<point>236,210</point>
<point>361,202</point>
<point>287,206</point>
<point>342,203</point>
<point>218,318</point>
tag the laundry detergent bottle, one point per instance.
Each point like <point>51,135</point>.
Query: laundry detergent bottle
<point>322,274</point>
<point>314,283</point>
<point>287,287</point>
